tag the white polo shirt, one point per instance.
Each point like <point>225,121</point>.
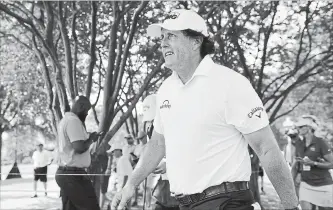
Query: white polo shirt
<point>40,159</point>
<point>128,149</point>
<point>203,122</point>
<point>71,129</point>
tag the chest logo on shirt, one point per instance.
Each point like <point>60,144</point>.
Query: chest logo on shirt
<point>256,112</point>
<point>312,149</point>
<point>165,104</point>
<point>146,107</point>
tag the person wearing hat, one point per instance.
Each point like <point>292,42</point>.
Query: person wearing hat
<point>149,109</point>
<point>315,158</point>
<point>77,191</point>
<point>41,160</point>
<point>130,146</point>
<point>123,166</point>
<point>207,115</point>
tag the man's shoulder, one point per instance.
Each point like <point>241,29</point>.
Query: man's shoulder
<point>320,141</point>
<point>165,85</point>
<point>226,75</point>
<point>69,116</point>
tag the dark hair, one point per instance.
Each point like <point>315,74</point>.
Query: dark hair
<point>207,46</point>
<point>81,104</point>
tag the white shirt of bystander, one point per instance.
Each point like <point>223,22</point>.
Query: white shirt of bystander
<point>124,168</point>
<point>40,159</point>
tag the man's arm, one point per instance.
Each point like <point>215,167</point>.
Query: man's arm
<point>265,146</point>
<point>81,146</point>
<point>125,180</point>
<point>326,163</point>
<point>150,158</point>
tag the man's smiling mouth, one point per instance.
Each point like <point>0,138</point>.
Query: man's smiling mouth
<point>168,53</point>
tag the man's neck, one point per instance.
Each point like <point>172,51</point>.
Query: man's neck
<point>308,139</point>
<point>186,70</point>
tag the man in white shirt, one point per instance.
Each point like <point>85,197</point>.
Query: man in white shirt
<point>130,146</point>
<point>123,166</point>
<point>207,116</point>
<point>74,144</point>
<point>41,160</point>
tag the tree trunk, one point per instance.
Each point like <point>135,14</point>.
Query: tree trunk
<point>98,166</point>
<point>254,187</point>
<point>0,151</point>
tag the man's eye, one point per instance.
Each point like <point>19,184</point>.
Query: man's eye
<point>170,35</point>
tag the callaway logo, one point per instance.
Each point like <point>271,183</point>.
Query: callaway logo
<point>173,15</point>
<point>312,149</point>
<point>256,112</point>
<point>146,107</point>
<point>166,104</point>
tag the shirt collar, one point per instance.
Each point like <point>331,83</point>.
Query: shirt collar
<point>202,70</point>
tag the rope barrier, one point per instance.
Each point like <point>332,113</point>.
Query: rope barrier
<point>57,174</point>
<point>48,191</point>
<point>51,175</point>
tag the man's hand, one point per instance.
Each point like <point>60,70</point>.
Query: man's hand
<point>306,161</point>
<point>50,162</point>
<point>120,200</point>
<point>94,136</point>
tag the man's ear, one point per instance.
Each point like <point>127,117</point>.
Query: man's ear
<point>197,43</point>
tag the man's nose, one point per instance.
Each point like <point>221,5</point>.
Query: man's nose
<point>164,43</point>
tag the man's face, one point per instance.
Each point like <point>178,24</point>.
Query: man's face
<point>303,130</point>
<point>130,141</point>
<point>143,139</point>
<point>40,147</point>
<point>117,153</point>
<point>176,48</point>
<point>82,115</point>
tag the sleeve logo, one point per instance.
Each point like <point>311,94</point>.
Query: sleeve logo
<point>256,112</point>
<point>166,104</point>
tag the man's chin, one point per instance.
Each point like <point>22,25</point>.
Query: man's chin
<point>170,65</point>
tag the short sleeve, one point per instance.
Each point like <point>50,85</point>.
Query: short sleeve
<point>324,148</point>
<point>75,130</point>
<point>158,126</point>
<point>244,109</point>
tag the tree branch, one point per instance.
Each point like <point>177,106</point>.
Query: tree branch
<point>126,50</point>
<point>102,147</point>
<point>273,118</point>
<point>263,58</point>
<point>110,69</point>
<point>76,91</point>
<point>92,48</point>
<point>68,53</point>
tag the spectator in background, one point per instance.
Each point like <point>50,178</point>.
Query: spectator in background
<point>41,159</point>
<point>74,144</point>
<point>106,177</point>
<point>316,159</point>
<point>261,175</point>
<point>123,166</point>
<point>130,146</point>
